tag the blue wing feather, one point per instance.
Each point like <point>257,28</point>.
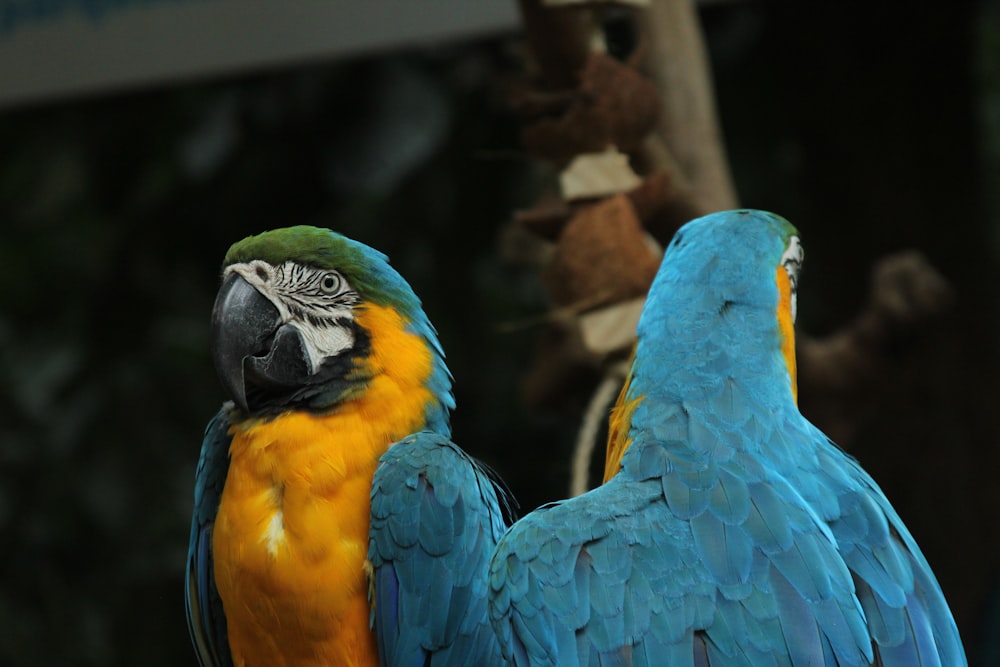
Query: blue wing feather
<point>638,574</point>
<point>206,619</point>
<point>911,619</point>
<point>436,517</point>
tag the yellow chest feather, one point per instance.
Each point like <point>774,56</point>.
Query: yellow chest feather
<point>291,535</point>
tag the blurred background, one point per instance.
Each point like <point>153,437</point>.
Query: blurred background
<point>873,128</point>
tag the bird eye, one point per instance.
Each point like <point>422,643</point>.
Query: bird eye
<point>330,283</point>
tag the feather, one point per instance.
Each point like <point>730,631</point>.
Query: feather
<point>810,566</point>
<point>437,523</point>
<point>799,627</point>
<point>205,615</point>
<point>447,513</point>
<point>684,500</point>
<point>726,550</point>
<point>730,499</point>
<point>768,520</point>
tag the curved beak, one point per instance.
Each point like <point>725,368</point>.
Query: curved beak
<point>243,326</point>
<point>259,360</point>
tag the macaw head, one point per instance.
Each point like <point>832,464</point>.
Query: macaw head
<point>719,319</point>
<point>298,320</point>
<point>727,285</point>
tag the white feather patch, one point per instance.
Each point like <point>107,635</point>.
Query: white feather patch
<point>792,261</point>
<point>274,534</point>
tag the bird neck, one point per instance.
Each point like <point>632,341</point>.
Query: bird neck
<point>404,372</point>
<point>707,371</point>
<point>696,338</point>
<point>396,380</point>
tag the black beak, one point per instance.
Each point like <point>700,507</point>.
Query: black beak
<point>258,359</point>
<point>243,326</point>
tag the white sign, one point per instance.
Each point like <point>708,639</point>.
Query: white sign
<point>55,48</point>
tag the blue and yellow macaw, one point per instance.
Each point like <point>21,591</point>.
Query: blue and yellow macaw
<point>730,530</point>
<point>334,522</point>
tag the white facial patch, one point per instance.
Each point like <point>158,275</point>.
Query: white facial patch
<point>791,260</point>
<point>317,302</point>
<point>325,342</point>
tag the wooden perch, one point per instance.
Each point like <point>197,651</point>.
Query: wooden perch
<point>677,63</point>
<point>601,253</point>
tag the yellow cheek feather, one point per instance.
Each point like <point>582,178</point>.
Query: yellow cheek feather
<point>291,534</point>
<point>787,327</point>
<point>618,430</point>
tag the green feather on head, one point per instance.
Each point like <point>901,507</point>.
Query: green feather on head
<point>366,269</point>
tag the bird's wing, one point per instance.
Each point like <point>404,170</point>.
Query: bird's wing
<point>206,620</point>
<point>908,618</point>
<point>601,579</point>
<point>615,577</point>
<point>436,518</point>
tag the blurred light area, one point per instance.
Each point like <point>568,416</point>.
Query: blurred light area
<point>53,50</point>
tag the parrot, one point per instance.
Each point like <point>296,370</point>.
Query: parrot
<point>335,522</point>
<point>729,530</point>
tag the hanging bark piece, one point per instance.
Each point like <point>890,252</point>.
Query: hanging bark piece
<point>593,175</point>
<point>612,328</point>
<point>656,200</point>
<point>559,39</point>
<point>613,105</point>
<point>602,256</point>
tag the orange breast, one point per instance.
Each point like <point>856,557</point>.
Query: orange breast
<point>291,535</point>
<point>290,542</point>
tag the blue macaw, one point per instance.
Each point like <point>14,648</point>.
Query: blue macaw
<point>730,530</point>
<point>335,523</point>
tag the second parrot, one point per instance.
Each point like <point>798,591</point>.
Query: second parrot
<point>730,530</point>
<point>334,523</point>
